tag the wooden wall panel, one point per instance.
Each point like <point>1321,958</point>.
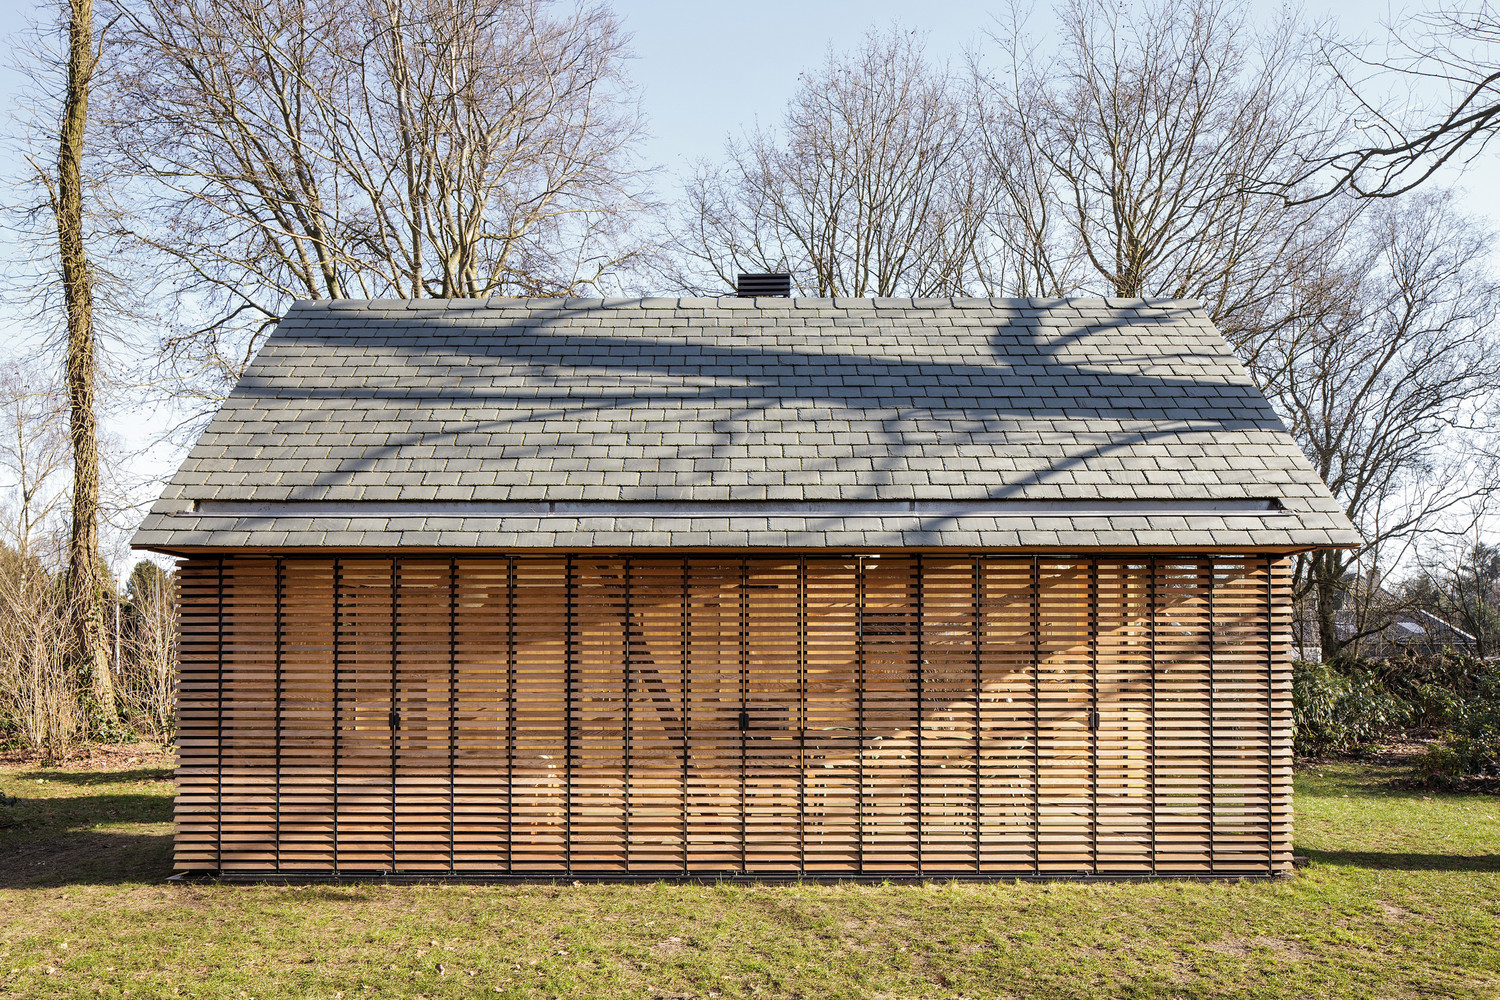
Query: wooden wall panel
<point>249,765</point>
<point>364,752</point>
<point>835,712</point>
<point>540,776</point>
<point>1183,764</point>
<point>1279,670</point>
<point>425,695</point>
<point>948,714</point>
<point>484,652</point>
<point>1065,692</point>
<point>716,744</point>
<point>889,645</point>
<point>656,699</point>
<point>775,677</point>
<point>597,804</point>
<point>196,809</point>
<point>789,714</point>
<point>1123,740</point>
<point>1008,748</point>
<point>1241,716</point>
<point>307,841</point>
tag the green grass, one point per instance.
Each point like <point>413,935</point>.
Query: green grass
<point>1401,898</point>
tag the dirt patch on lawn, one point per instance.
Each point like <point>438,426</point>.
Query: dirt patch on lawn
<point>672,947</point>
<point>1400,914</point>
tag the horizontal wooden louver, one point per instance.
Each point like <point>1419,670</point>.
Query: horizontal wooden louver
<point>793,715</point>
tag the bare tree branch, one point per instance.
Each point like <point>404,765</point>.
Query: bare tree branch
<point>1382,378</point>
<point>1455,53</point>
<point>1131,161</point>
<point>369,148</point>
<point>871,187</point>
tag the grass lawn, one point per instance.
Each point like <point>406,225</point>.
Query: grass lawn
<point>1401,898</point>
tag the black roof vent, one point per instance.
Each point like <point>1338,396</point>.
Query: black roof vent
<point>771,285</point>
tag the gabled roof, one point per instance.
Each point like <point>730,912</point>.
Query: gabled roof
<point>850,423</point>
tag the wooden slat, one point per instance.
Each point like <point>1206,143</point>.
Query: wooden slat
<point>307,783</point>
<point>1123,763</point>
<point>810,714</point>
<point>197,806</point>
<point>247,772</point>
<point>484,650</point>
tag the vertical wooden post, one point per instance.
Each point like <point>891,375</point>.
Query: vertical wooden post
<point>453,715</point>
<point>219,721</point>
<point>1036,713</point>
<point>279,695</point>
<point>570,661</point>
<point>978,636</point>
<point>1152,586</point>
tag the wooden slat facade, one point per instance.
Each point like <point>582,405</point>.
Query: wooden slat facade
<point>816,715</point>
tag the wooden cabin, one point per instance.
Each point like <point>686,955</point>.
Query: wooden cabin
<point>739,587</point>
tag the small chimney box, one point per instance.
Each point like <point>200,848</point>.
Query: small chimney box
<point>767,285</point>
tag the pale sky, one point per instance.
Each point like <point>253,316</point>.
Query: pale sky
<point>707,70</point>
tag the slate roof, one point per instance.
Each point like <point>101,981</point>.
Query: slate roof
<point>846,423</point>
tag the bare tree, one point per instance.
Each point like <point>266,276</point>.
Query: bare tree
<point>1460,583</point>
<point>34,453</point>
<point>872,186</point>
<point>85,579</point>
<point>1385,378</point>
<point>1132,159</point>
<point>148,659</point>
<point>366,148</point>
<point>1036,249</point>
<point>1450,58</point>
<point>39,692</point>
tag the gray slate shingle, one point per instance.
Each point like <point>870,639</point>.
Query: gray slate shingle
<point>733,399</point>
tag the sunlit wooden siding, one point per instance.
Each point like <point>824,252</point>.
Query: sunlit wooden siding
<point>776,715</point>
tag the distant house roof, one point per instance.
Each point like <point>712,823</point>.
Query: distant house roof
<point>851,423</point>
<point>1407,627</point>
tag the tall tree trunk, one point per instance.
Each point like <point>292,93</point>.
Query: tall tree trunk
<point>85,580</point>
<point>1326,575</point>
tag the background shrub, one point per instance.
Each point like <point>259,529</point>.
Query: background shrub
<point>1452,698</point>
<point>1342,711</point>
